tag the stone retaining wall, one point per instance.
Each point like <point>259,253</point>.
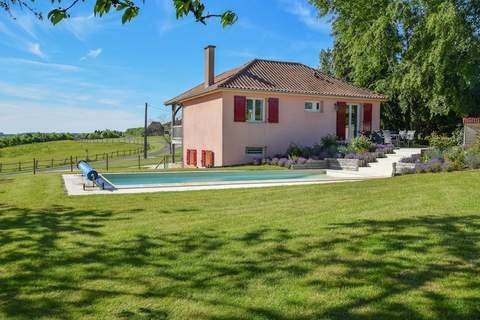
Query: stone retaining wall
<point>311,164</point>
<point>402,167</point>
<point>343,164</point>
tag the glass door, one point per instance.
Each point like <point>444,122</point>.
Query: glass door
<point>353,121</point>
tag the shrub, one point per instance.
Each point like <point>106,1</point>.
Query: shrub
<point>274,161</point>
<point>294,150</point>
<point>420,167</point>
<point>329,141</point>
<point>266,161</point>
<point>282,162</point>
<point>289,163</point>
<point>441,143</point>
<point>456,156</point>
<point>472,161</point>
<point>360,144</point>
<point>432,153</point>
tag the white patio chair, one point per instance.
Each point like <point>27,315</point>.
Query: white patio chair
<point>410,136</point>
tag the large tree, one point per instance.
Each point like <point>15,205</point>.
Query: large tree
<point>424,54</point>
<point>60,9</point>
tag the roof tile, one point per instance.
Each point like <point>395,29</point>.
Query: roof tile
<point>282,77</point>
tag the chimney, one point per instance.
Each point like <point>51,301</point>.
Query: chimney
<point>209,65</point>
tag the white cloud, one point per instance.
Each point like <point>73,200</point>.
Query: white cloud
<point>22,91</point>
<point>34,48</point>
<point>27,117</point>
<point>81,26</point>
<point>92,54</point>
<point>55,66</point>
<point>306,14</point>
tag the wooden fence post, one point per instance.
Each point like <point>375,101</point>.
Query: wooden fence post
<point>71,164</point>
<point>51,164</point>
<point>139,161</point>
<point>0,167</point>
<point>34,166</point>
<point>19,166</point>
<point>107,162</point>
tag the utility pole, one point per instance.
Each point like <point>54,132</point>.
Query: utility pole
<point>145,133</point>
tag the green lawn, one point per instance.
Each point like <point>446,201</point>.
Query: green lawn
<point>401,248</point>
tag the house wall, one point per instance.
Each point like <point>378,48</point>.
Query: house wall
<point>295,125</point>
<point>202,127</point>
<point>209,125</point>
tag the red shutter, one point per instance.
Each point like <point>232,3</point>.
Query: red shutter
<point>273,110</point>
<point>204,158</point>
<point>212,160</point>
<point>194,157</point>
<point>341,122</point>
<point>189,157</point>
<point>240,109</point>
<point>367,117</point>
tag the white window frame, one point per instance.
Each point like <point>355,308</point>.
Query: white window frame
<point>263,113</point>
<point>315,104</point>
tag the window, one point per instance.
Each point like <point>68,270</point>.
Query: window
<point>314,106</point>
<point>254,151</point>
<point>255,110</point>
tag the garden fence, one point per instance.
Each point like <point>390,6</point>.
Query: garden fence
<point>105,160</point>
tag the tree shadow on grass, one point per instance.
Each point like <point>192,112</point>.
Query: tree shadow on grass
<point>65,266</point>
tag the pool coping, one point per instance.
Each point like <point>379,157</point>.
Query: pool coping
<point>73,184</point>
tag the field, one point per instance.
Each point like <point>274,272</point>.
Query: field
<point>401,248</point>
<point>57,154</point>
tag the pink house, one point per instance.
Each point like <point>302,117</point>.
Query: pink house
<point>259,108</point>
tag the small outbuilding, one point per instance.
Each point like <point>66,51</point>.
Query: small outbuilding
<point>472,131</point>
<point>155,128</point>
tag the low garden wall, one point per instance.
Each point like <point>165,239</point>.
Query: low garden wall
<point>311,164</point>
<point>343,164</point>
<point>331,163</point>
<point>402,168</point>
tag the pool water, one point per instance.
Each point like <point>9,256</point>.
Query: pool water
<point>120,180</point>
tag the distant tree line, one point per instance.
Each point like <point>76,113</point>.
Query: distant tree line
<point>27,138</point>
<point>101,134</point>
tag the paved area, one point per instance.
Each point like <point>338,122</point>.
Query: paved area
<point>73,184</point>
<point>383,168</point>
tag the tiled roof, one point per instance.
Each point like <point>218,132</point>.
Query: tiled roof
<point>282,77</point>
<point>471,120</point>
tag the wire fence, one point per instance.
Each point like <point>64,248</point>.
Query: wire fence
<point>129,139</point>
<point>70,162</point>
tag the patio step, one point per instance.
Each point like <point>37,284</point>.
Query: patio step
<point>382,168</point>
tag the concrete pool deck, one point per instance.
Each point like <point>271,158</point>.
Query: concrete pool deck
<point>74,185</point>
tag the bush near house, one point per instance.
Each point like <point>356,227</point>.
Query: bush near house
<point>444,155</point>
<point>361,148</point>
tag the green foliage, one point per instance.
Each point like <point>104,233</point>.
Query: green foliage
<point>129,9</point>
<point>27,138</point>
<point>329,141</point>
<point>294,150</point>
<point>472,156</point>
<point>326,61</point>
<point>456,157</point>
<point>135,132</point>
<point>442,142</point>
<point>360,144</point>
<point>101,134</point>
<point>425,55</point>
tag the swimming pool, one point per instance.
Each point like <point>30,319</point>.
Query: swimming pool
<point>195,178</point>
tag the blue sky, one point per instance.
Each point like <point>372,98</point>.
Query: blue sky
<point>94,73</point>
